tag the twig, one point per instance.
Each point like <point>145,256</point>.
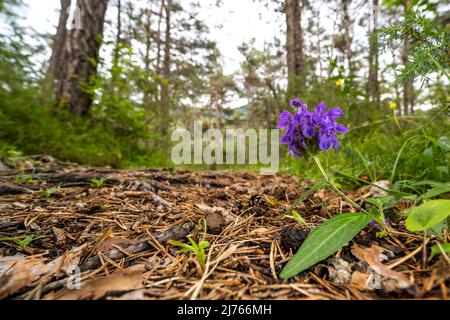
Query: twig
<point>175,233</point>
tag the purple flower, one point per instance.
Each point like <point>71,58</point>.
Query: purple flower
<point>285,119</point>
<point>373,223</point>
<point>311,130</point>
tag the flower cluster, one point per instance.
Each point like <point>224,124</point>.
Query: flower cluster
<point>310,130</point>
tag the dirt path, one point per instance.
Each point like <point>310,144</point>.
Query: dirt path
<point>111,229</point>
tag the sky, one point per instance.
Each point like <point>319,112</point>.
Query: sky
<point>241,21</point>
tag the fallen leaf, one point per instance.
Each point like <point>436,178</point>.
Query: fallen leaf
<point>227,216</point>
<point>390,280</point>
<point>66,263</point>
<point>360,279</point>
<point>339,272</point>
<point>109,243</point>
<point>97,288</point>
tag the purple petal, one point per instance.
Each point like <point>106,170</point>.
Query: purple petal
<point>286,139</point>
<point>335,113</point>
<point>335,143</point>
<point>297,103</point>
<point>293,151</point>
<point>285,119</point>
<point>283,123</point>
<point>324,143</point>
<point>320,109</point>
<point>341,129</point>
<point>308,131</point>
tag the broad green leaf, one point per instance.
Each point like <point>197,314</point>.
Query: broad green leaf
<point>438,229</point>
<point>437,191</point>
<point>325,240</point>
<point>435,249</point>
<point>427,215</point>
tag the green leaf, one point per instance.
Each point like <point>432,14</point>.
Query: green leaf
<point>435,249</point>
<point>438,229</point>
<point>306,195</point>
<point>203,244</point>
<point>299,219</point>
<point>427,215</point>
<point>437,191</point>
<point>444,143</point>
<point>325,240</point>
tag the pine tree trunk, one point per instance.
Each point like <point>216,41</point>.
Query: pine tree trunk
<point>158,38</point>
<point>165,90</point>
<point>319,44</point>
<point>408,87</point>
<point>294,42</point>
<point>373,87</point>
<point>348,40</point>
<point>147,60</point>
<point>118,33</point>
<point>56,64</point>
<point>82,50</point>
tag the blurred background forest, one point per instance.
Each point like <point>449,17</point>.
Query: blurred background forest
<point>111,92</point>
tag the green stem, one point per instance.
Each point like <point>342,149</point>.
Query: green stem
<point>397,123</point>
<point>333,186</point>
<point>438,65</point>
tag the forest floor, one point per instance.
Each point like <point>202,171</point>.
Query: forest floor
<point>111,229</point>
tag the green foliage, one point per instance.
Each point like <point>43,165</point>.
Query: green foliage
<point>435,250</point>
<point>98,183</point>
<point>430,45</point>
<point>427,215</point>
<point>299,219</point>
<point>22,242</point>
<point>197,248</point>
<point>325,240</point>
<point>306,195</point>
<point>377,152</point>
<point>48,193</point>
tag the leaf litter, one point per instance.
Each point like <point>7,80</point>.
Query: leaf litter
<point>114,238</point>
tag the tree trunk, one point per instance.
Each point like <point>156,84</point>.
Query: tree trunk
<point>82,50</point>
<point>373,87</point>
<point>56,65</point>
<point>147,60</point>
<point>408,87</point>
<point>118,33</point>
<point>294,43</point>
<point>319,44</point>
<point>158,39</point>
<point>165,90</point>
<point>348,40</point>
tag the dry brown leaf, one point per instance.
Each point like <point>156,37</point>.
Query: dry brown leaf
<point>97,288</point>
<point>67,263</point>
<point>360,279</point>
<point>111,242</point>
<point>227,216</point>
<point>391,280</point>
<point>18,272</point>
